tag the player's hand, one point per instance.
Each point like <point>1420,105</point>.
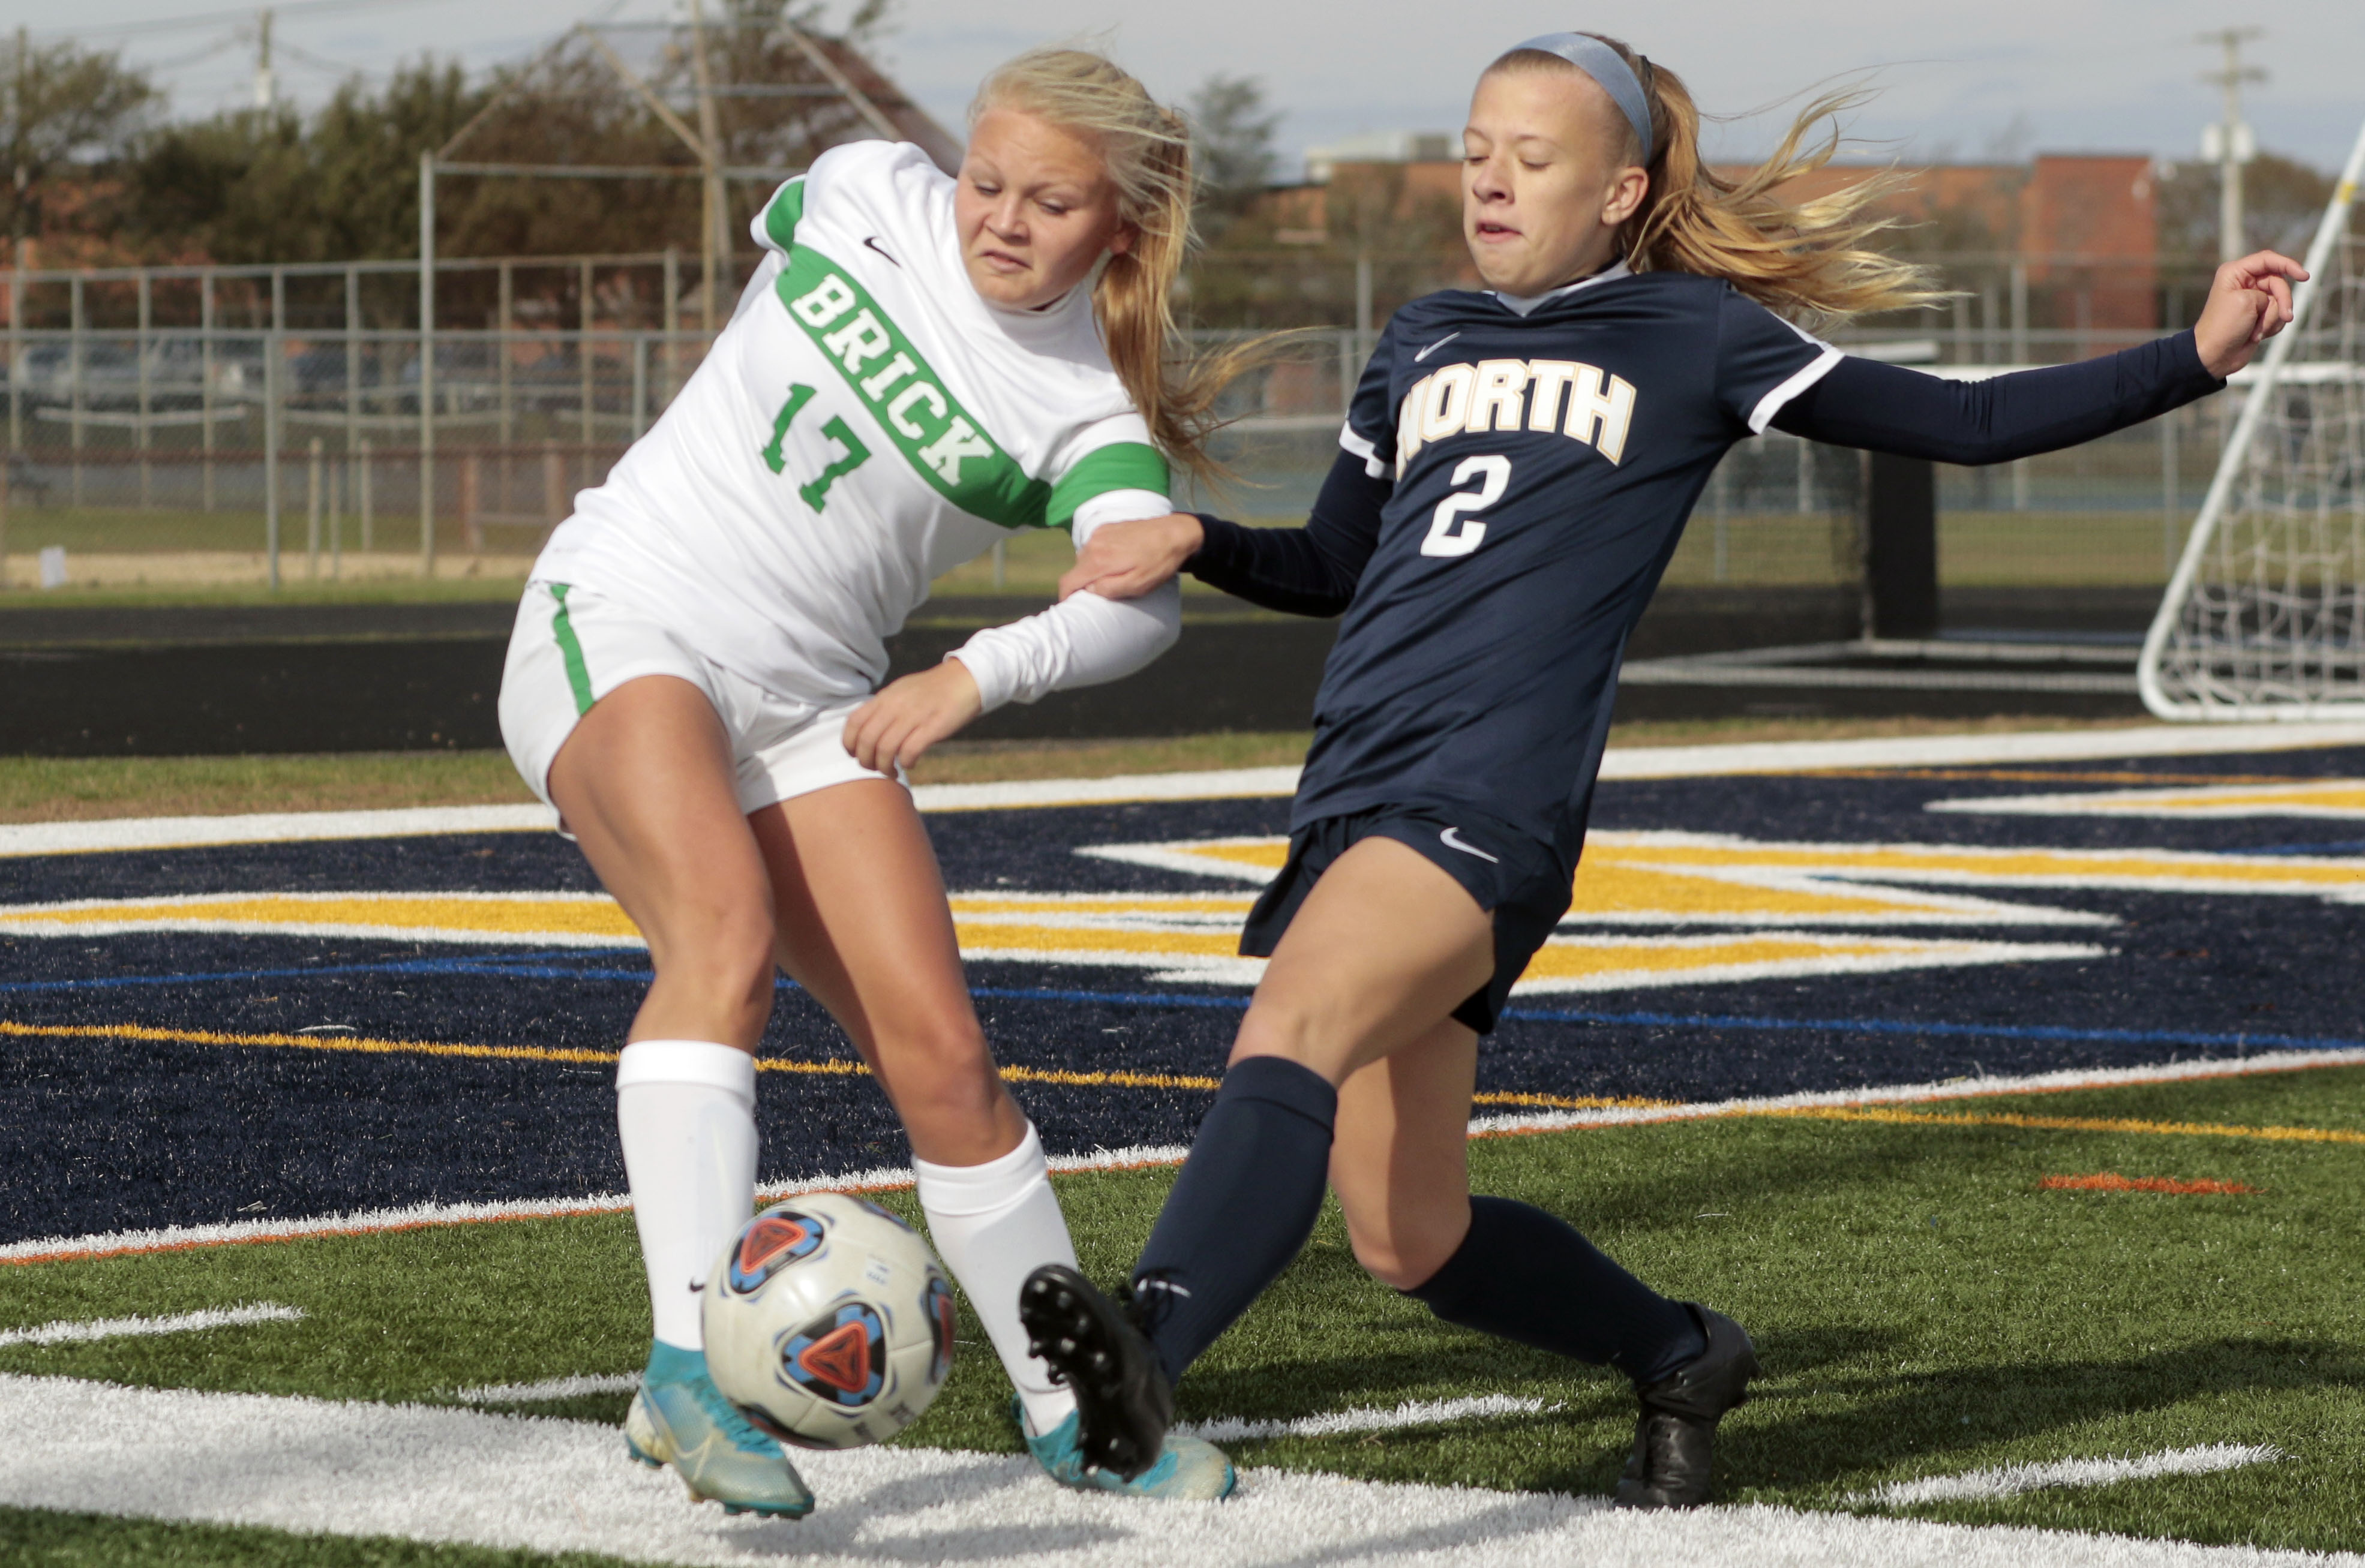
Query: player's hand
<point>909,716</point>
<point>1125,560</point>
<point>2249,302</point>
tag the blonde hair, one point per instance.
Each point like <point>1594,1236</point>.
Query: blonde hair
<point>1147,149</point>
<point>1810,257</point>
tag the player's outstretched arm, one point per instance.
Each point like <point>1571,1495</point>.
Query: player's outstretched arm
<point>1299,571</point>
<point>2249,301</point>
<point>1887,407</point>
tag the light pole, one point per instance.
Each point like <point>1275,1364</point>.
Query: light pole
<point>2229,143</point>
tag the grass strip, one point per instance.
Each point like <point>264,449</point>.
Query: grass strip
<point>1922,1306</point>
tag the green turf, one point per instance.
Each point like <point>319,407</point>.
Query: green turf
<point>1922,1307</point>
<point>34,1538</point>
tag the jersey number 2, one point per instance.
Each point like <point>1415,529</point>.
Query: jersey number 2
<point>854,454</point>
<point>1450,533</point>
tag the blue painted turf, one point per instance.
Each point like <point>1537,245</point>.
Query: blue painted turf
<point>106,1134</point>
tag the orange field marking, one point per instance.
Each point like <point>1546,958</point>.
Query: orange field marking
<point>2111,1181</point>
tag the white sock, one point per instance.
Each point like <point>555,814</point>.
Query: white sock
<point>687,1111</point>
<point>993,1224</point>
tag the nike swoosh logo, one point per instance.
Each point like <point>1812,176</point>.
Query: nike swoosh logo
<point>873,243</point>
<point>1451,838</point>
<point>1432,348</point>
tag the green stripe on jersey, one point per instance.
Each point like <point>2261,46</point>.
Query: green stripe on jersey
<point>570,652</point>
<point>1122,466</point>
<point>787,205</point>
<point>944,445</point>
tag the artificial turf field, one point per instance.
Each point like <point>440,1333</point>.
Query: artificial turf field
<point>1764,1068</point>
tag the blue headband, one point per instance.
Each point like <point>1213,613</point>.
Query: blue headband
<point>1607,67</point>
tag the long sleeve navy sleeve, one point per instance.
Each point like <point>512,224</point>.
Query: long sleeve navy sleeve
<point>1300,571</point>
<point>1887,408</point>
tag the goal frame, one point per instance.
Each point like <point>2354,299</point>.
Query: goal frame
<point>2221,487</point>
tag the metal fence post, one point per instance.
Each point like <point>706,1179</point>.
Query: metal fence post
<point>206,388</point>
<point>427,365</point>
<point>312,498</point>
<point>640,422</point>
<point>364,499</point>
<point>74,361</point>
<point>2170,501</point>
<point>15,362</point>
<point>144,349</point>
<point>271,455</point>
<point>584,365</point>
<point>352,361</point>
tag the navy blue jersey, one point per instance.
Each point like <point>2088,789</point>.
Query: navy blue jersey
<point>1513,484</point>
<point>1543,466</point>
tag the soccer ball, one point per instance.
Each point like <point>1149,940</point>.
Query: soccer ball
<point>829,1322</point>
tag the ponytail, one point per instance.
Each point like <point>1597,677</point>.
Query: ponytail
<point>1809,257</point>
<point>1148,151</point>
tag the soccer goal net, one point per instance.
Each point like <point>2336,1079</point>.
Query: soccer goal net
<point>2265,616</point>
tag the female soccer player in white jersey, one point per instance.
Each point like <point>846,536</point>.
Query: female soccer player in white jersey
<point>1517,467</point>
<point>921,363</point>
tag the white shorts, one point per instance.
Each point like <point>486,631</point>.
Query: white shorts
<point>572,646</point>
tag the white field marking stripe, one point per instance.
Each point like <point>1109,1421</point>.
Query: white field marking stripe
<point>70,1331</point>
<point>108,1244</point>
<point>175,1238</point>
<point>549,1388</point>
<point>1633,762</point>
<point>2194,803</point>
<point>1411,1413</point>
<point>415,1217</point>
<point>1912,1094</point>
<point>462,1476</point>
<point>2010,1480</point>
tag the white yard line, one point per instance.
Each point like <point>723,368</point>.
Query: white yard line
<point>416,1217</point>
<point>549,1389</point>
<point>77,1331</point>
<point>467,1476</point>
<point>1337,1423</point>
<point>2010,1480</point>
<point>1628,762</point>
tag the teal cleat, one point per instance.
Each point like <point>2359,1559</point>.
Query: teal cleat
<point>1188,1469</point>
<point>679,1418</point>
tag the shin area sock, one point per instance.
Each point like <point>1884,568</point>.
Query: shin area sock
<point>993,1224</point>
<point>1242,1208</point>
<point>687,1112</point>
<point>1522,1274</point>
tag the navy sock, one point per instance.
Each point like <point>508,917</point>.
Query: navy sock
<point>1242,1208</point>
<point>1522,1274</point>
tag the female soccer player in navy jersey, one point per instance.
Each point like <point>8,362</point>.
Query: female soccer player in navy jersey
<point>1517,467</point>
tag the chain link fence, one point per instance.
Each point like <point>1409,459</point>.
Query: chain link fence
<point>280,437</point>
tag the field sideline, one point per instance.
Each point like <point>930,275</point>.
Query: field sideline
<point>2009,1089</point>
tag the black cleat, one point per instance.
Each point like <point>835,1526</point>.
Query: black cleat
<point>1124,1404</point>
<point>1676,1434</point>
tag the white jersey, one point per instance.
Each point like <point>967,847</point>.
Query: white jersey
<point>864,424</point>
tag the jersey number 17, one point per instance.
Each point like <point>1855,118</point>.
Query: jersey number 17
<point>853,455</point>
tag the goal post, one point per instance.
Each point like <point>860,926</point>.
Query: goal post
<point>2264,618</point>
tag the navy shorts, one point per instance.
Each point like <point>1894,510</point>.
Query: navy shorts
<point>1516,880</point>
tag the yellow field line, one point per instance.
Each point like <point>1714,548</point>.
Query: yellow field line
<point>1062,1077</point>
<point>2067,1124</point>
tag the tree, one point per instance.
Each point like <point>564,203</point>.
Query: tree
<point>2282,201</point>
<point>1233,133</point>
<point>69,110</point>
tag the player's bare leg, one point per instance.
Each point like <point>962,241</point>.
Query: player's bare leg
<point>645,783</point>
<point>1358,996</point>
<point>863,924</point>
<point>1384,947</point>
<point>1399,1163</point>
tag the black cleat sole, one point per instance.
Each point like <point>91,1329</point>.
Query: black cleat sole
<point>1123,1402</point>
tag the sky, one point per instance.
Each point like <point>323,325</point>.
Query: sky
<point>1999,79</point>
